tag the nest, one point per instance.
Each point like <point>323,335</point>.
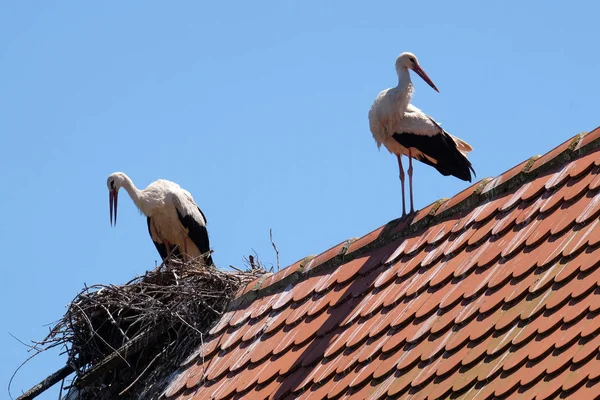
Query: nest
<point>126,340</point>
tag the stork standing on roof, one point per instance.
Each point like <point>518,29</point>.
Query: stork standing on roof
<point>175,222</point>
<point>405,130</point>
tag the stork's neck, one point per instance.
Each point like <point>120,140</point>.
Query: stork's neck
<point>404,82</point>
<point>136,194</point>
<point>404,90</point>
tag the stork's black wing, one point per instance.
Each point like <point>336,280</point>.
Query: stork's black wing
<point>441,148</point>
<point>196,232</point>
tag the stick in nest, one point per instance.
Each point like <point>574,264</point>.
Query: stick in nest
<point>183,299</point>
<point>274,247</point>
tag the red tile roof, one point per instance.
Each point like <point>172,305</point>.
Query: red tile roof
<point>495,292</point>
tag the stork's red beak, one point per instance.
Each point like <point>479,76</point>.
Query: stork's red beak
<point>113,196</point>
<point>419,71</point>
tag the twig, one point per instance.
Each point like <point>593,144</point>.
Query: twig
<point>144,371</point>
<point>274,247</point>
<point>46,383</point>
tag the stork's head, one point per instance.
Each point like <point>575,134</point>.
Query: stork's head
<point>114,183</point>
<point>409,61</point>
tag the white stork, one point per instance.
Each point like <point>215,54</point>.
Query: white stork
<point>405,130</point>
<point>173,217</point>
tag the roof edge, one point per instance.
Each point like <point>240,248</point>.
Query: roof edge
<point>478,193</point>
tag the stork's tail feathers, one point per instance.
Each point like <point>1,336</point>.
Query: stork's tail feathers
<point>461,145</point>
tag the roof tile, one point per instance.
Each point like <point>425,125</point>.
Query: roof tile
<point>463,301</point>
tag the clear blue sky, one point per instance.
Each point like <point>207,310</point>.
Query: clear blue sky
<point>260,111</point>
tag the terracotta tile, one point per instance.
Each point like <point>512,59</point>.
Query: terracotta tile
<point>226,389</point>
<point>588,258</point>
<point>585,347</point>
<point>459,240</point>
<point>432,303</point>
<point>402,381</point>
<point>451,361</point>
<point>289,360</point>
<point>284,273</point>
<point>505,384</point>
<point>222,323</point>
<point>534,188</point>
<point>519,236</point>
<point>327,370</point>
<point>568,215</point>
<point>504,177</point>
<point>475,354</point>
<point>410,264</point>
<point>483,231</point>
<point>305,288</point>
<point>288,383</point>
<point>221,363</point>
<point>582,235</point>
<point>459,198</point>
<point>569,267</point>
<point>490,251</point>
<point>417,242</point>
<point>477,281</point>
<point>463,381</point>
<point>505,221</point>
<point>577,186</point>
<point>444,318</point>
<point>387,275</point>
<point>347,271</point>
<point>329,254</point>
<point>586,391</point>
<point>530,211</point>
<point>592,209</point>
<point>542,230</point>
<point>340,384</point>
<point>559,177</point>
<point>588,138</point>
<point>500,343</point>
<point>361,330</point>
<point>253,373</point>
<point>441,388</point>
<point>584,163</point>
<point>375,299</point>
<point>434,345</point>
<point>383,323</point>
<point>205,391</point>
<point>365,240</point>
<point>551,155</point>
<point>544,276</point>
<point>435,254</point>
<point>372,347</point>
<point>595,184</point>
<point>310,326</point>
<point>407,309</point>
<point>179,382</point>
<point>386,363</point>
<point>532,372</point>
<point>423,212</point>
<point>265,345</point>
<point>489,209</point>
<point>444,273</point>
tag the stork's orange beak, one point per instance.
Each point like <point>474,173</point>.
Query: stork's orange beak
<point>419,71</point>
<point>113,197</point>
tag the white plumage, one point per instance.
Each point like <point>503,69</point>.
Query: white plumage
<point>406,130</point>
<point>174,219</point>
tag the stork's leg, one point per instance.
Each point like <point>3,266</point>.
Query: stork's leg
<point>168,247</point>
<point>410,174</point>
<point>185,253</point>
<point>402,184</point>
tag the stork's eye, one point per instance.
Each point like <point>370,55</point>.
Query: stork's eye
<point>413,60</point>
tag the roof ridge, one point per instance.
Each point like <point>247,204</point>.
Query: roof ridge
<point>440,210</point>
